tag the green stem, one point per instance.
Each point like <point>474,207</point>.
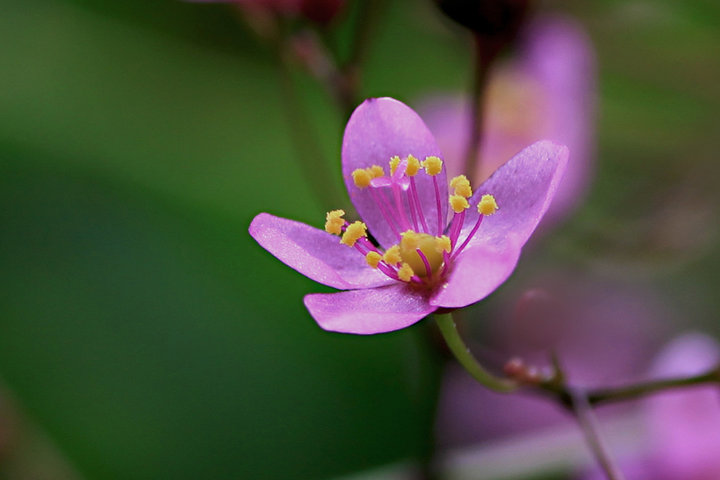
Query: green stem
<point>463,355</point>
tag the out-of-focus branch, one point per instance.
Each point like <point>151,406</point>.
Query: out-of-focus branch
<point>314,164</point>
<point>485,53</point>
<point>341,78</point>
<point>522,378</point>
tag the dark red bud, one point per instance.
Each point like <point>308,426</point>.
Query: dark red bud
<point>321,11</point>
<point>498,19</point>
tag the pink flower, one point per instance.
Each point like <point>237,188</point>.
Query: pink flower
<point>546,92</point>
<point>422,262</point>
<point>682,426</point>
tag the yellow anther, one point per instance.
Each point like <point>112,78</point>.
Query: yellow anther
<point>458,203</point>
<point>392,255</point>
<point>405,273</point>
<point>442,244</point>
<point>376,171</point>
<point>487,205</point>
<point>334,221</point>
<point>353,233</point>
<point>373,258</point>
<point>361,177</point>
<point>394,162</point>
<point>433,165</point>
<point>413,165</point>
<point>462,186</point>
<point>460,179</point>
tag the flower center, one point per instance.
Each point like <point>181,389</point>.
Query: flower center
<point>420,257</point>
<point>423,252</point>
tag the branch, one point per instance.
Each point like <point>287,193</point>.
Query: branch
<point>523,378</point>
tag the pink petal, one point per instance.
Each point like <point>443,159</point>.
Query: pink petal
<point>365,312</point>
<point>315,253</point>
<point>475,274</point>
<point>379,129</point>
<point>523,189</point>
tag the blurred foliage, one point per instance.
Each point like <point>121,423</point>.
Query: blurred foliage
<point>150,337</point>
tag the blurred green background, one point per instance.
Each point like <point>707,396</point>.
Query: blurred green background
<point>144,334</point>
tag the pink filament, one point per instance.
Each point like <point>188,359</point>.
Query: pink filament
<point>455,227</point>
<point>428,269</point>
<point>439,206</point>
<point>470,235</point>
<point>405,224</point>
<point>418,206</point>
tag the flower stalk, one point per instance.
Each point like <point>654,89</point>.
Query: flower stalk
<point>462,353</point>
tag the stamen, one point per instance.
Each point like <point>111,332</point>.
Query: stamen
<point>404,223</point>
<point>457,251</point>
<point>413,215</point>
<point>462,186</point>
<point>433,165</point>
<point>353,233</point>
<point>394,162</point>
<point>392,255</point>
<point>458,203</point>
<point>373,259</point>
<point>387,270</point>
<point>361,177</point>
<point>405,273</point>
<point>334,221</point>
<point>487,205</point>
<point>438,206</point>
<point>456,227</point>
<point>413,166</point>
<point>376,171</point>
<point>418,206</point>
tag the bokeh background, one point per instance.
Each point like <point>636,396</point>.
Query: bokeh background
<point>144,334</point>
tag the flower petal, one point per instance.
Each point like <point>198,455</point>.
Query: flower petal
<point>364,312</point>
<point>523,189</point>
<point>475,274</point>
<point>315,253</point>
<point>379,129</point>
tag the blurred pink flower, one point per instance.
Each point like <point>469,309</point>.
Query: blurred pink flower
<point>547,91</point>
<point>424,262</point>
<point>683,426</point>
<point>603,333</point>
